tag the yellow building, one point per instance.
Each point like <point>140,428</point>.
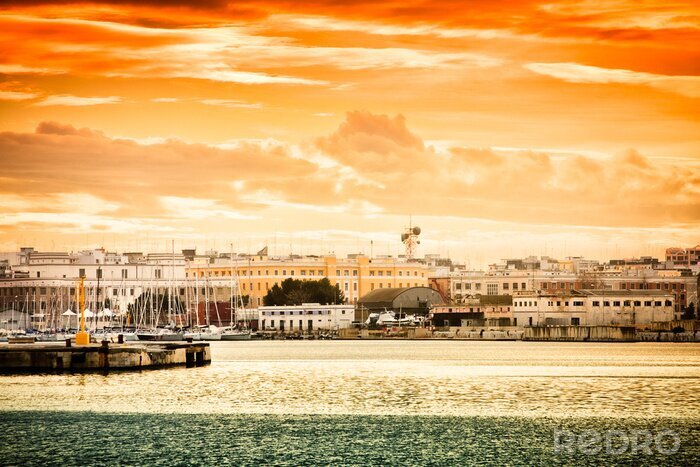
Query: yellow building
<point>355,275</point>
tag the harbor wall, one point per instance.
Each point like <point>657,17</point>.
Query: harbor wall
<point>580,333</point>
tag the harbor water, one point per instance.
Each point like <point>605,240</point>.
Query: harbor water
<point>367,402</point>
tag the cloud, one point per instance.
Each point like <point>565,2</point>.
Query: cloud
<point>576,73</point>
<point>77,101</point>
<point>522,186</point>
<point>378,165</point>
<point>17,95</point>
<point>231,103</point>
<point>56,128</point>
<point>16,69</point>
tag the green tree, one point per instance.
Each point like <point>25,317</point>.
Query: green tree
<point>296,292</point>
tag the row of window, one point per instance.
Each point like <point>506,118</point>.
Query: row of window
<point>490,287</point>
<point>596,303</point>
<point>299,312</point>
<point>302,272</point>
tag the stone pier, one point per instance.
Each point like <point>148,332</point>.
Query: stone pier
<point>58,356</point>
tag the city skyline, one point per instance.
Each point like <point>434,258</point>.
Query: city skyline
<point>530,128</point>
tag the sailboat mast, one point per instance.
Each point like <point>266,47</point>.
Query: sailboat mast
<point>232,313</point>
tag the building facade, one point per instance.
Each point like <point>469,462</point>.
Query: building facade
<point>355,275</point>
<point>593,307</point>
<point>305,318</point>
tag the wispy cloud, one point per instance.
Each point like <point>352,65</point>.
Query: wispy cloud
<point>17,95</point>
<point>577,73</point>
<point>232,103</point>
<point>77,101</point>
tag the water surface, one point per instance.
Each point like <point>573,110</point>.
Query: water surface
<point>354,402</point>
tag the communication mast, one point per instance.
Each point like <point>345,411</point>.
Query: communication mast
<point>410,240</point>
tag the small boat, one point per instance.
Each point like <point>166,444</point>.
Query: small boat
<point>233,334</point>
<point>160,335</point>
<point>204,333</point>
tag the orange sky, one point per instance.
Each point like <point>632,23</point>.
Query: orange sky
<point>504,128</point>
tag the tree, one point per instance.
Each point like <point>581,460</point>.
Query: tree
<point>296,292</point>
<point>689,312</point>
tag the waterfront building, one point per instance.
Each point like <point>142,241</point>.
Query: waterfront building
<point>307,317</point>
<point>593,307</point>
<point>615,276</point>
<point>43,284</point>
<point>486,310</point>
<point>355,275</point>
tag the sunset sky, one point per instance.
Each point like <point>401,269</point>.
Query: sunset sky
<point>503,128</point>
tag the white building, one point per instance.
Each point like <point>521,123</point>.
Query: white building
<point>307,317</point>
<point>593,307</point>
<point>43,284</point>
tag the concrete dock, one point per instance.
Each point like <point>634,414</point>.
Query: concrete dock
<point>57,356</point>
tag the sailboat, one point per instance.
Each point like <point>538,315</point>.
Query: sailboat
<point>232,332</point>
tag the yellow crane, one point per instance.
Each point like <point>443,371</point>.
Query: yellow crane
<point>82,337</point>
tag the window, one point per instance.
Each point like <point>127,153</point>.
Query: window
<point>657,303</point>
<point>380,273</point>
<point>115,292</point>
<point>606,303</point>
<point>637,303</point>
<point>346,272</point>
<point>354,272</point>
<point>99,273</point>
<point>505,286</point>
<point>515,286</point>
<point>491,289</point>
<point>388,273</point>
<point>575,321</point>
<point>578,303</point>
<point>337,272</point>
<point>668,303</point>
<point>596,303</point>
<point>158,274</point>
<point>647,303</point>
<point>523,286</point>
<point>371,273</point>
<point>81,272</point>
<point>467,286</point>
<point>125,273</point>
<point>303,272</point>
<point>478,286</point>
